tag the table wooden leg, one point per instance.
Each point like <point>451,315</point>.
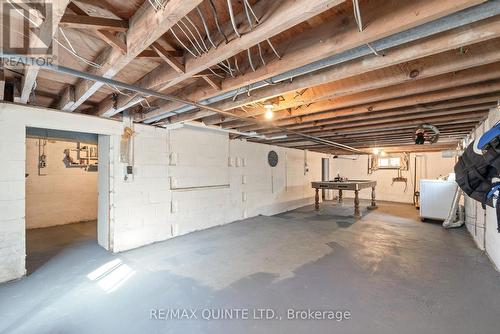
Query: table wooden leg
<point>357,214</point>
<point>340,195</point>
<point>374,201</point>
<point>316,200</point>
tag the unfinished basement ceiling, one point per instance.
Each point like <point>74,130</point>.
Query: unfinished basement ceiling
<point>360,73</point>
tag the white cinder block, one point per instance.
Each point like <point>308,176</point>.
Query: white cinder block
<point>174,206</point>
<point>173,182</point>
<point>173,159</point>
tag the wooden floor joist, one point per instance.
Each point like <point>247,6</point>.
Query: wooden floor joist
<point>274,21</point>
<point>360,73</point>
<point>327,41</point>
<point>146,26</point>
<point>443,63</point>
<point>43,40</point>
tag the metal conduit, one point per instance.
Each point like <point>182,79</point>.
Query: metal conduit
<point>231,15</point>
<point>459,19</point>
<point>148,92</point>
<point>207,31</point>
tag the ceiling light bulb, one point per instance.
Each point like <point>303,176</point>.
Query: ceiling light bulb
<point>268,106</point>
<point>269,114</point>
<point>375,151</point>
<point>383,154</point>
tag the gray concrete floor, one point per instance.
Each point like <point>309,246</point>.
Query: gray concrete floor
<point>393,273</point>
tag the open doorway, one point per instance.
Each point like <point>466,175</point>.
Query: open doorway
<point>62,187</point>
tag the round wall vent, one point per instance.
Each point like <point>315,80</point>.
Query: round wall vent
<point>272,158</point>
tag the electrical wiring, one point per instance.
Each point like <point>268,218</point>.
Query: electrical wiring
<point>181,43</point>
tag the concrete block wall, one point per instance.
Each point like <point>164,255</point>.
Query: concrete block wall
<point>13,122</point>
<point>482,224</point>
<point>12,231</point>
<point>430,166</point>
<point>226,180</point>
<point>141,203</point>
<point>62,195</point>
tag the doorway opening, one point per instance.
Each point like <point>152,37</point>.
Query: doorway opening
<point>62,194</point>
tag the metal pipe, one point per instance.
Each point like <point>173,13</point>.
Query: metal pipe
<point>462,18</point>
<point>325,174</point>
<point>207,31</point>
<point>216,18</point>
<point>231,15</point>
<point>149,92</point>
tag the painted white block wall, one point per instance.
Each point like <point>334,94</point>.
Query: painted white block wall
<point>489,239</point>
<point>430,166</point>
<point>143,208</point>
<point>62,195</point>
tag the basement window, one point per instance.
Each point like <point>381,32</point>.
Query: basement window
<point>389,162</point>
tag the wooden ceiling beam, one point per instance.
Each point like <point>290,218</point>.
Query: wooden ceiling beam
<point>146,26</point>
<point>67,98</point>
<point>106,36</point>
<point>334,130</point>
<point>489,100</point>
<point>414,71</point>
<point>353,96</point>
<point>151,54</point>
<point>349,105</point>
<point>384,20</point>
<point>213,82</point>
<point>445,130</point>
<point>44,39</point>
<point>374,117</point>
<point>473,113</point>
<point>389,149</point>
<point>276,16</point>
<point>168,58</point>
<point>93,22</point>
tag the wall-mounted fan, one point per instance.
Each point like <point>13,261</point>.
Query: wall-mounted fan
<point>426,133</point>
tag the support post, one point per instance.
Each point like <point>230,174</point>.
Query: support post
<point>316,199</point>
<point>340,196</point>
<point>374,201</point>
<point>357,214</point>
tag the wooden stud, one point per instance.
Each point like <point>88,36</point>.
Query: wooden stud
<point>67,99</point>
<point>93,22</point>
<point>148,26</point>
<point>166,56</point>
<point>212,82</point>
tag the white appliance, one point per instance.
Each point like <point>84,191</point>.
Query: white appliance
<point>436,197</point>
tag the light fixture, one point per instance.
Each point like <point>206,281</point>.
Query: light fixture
<point>269,114</point>
<point>383,153</point>
<point>376,151</point>
<point>268,105</point>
